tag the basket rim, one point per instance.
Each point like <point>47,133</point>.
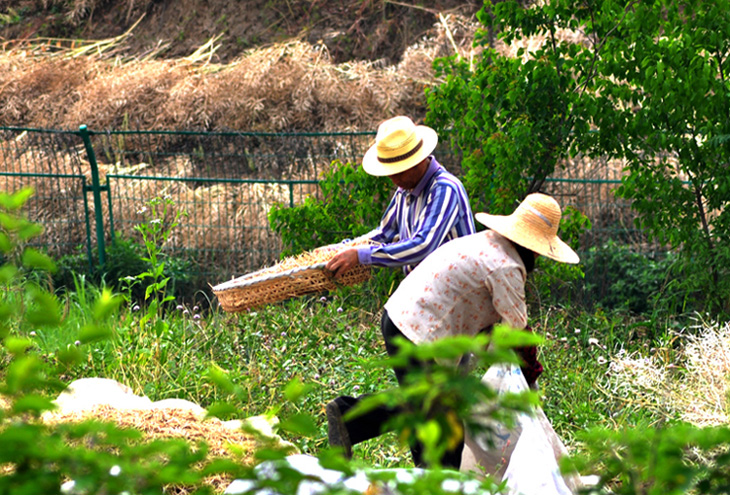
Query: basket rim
<point>251,279</point>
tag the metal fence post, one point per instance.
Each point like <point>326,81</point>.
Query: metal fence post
<point>96,189</point>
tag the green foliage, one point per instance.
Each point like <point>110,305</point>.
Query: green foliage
<point>124,261</point>
<point>352,204</point>
<point>663,95</point>
<point>622,279</point>
<point>37,457</point>
<point>669,459</point>
<point>650,88</point>
<point>513,119</point>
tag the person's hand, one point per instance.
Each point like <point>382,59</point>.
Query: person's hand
<point>343,261</point>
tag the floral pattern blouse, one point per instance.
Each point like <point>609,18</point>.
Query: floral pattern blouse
<point>461,288</point>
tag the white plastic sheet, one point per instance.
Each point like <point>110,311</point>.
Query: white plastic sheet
<point>527,455</point>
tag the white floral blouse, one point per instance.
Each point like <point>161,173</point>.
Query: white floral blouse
<point>461,288</point>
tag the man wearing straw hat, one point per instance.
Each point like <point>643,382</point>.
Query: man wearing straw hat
<point>429,207</point>
<point>463,287</point>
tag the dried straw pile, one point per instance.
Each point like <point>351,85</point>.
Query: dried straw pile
<point>172,423</point>
<point>285,87</point>
<point>693,387</point>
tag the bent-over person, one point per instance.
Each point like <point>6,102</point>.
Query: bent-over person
<point>463,287</point>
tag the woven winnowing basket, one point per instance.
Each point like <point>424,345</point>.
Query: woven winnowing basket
<point>292,277</point>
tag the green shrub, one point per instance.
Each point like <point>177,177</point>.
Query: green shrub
<point>124,259</point>
<point>619,278</point>
<point>666,459</point>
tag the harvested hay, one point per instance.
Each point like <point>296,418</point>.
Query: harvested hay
<point>170,423</point>
<point>291,86</point>
<point>160,423</point>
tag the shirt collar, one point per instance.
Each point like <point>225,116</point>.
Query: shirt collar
<point>430,171</point>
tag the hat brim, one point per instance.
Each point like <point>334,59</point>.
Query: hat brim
<point>550,246</point>
<point>373,166</point>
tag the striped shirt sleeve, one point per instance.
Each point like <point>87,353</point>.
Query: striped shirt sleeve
<point>435,218</point>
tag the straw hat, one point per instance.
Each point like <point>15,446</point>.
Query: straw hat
<point>534,225</point>
<point>399,145</point>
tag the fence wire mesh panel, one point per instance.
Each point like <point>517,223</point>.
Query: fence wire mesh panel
<point>52,164</point>
<point>223,229</point>
<point>589,185</point>
<point>224,183</point>
<point>227,155</point>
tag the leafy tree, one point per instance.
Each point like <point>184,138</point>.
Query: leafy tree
<point>644,82</point>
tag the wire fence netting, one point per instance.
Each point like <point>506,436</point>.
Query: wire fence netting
<point>224,184</point>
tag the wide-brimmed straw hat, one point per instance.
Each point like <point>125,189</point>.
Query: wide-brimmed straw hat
<point>399,145</point>
<point>534,225</point>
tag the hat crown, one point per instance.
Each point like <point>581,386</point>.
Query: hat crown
<point>396,136</point>
<point>541,212</point>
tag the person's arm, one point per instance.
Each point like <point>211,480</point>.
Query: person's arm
<point>507,286</point>
<point>386,232</point>
<point>433,224</point>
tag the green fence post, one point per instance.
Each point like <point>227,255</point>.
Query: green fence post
<point>96,188</point>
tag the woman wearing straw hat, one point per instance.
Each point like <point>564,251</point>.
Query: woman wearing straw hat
<point>464,286</point>
<point>429,207</point>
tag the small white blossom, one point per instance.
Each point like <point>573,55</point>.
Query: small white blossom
<point>115,470</point>
<point>601,360</point>
<point>155,220</point>
<point>593,341</point>
<point>577,330</point>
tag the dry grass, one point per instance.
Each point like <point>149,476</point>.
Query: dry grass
<point>174,423</point>
<point>693,387</point>
<point>283,87</point>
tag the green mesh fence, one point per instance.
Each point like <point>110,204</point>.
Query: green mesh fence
<point>55,166</point>
<point>225,183</point>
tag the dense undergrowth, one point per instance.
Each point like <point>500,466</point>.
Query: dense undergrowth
<point>290,359</point>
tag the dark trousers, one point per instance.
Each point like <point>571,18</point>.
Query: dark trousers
<point>372,423</point>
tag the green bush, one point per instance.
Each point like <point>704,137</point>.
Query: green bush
<point>619,278</point>
<point>666,459</point>
<point>124,259</point>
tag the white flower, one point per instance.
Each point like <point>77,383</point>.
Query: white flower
<point>593,341</point>
<point>115,470</point>
<point>577,330</point>
<point>155,220</point>
<point>601,360</point>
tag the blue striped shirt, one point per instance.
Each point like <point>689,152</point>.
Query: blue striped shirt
<point>418,221</point>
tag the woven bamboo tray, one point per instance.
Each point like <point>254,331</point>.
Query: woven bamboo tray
<point>292,277</point>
